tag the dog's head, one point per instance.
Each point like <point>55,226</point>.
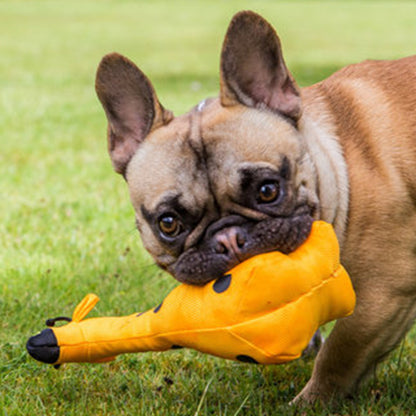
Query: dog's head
<point>228,180</point>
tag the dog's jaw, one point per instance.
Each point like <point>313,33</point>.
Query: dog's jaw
<point>204,263</point>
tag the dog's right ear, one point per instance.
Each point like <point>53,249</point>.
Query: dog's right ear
<point>131,106</point>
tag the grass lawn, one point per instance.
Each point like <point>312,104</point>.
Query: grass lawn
<point>67,227</point>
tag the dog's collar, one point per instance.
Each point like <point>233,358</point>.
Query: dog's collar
<point>201,105</point>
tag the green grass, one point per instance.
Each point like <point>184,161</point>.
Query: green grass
<point>67,227</point>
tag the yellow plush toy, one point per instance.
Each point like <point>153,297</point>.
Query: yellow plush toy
<point>265,310</point>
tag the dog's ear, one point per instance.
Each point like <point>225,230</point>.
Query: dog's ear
<point>131,106</point>
<point>253,71</point>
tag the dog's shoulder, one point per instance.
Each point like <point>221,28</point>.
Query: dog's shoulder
<point>370,106</point>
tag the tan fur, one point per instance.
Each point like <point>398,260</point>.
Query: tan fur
<point>350,142</point>
<point>371,107</point>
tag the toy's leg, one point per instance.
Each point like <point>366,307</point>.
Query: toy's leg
<point>91,340</point>
<point>44,347</point>
<point>97,339</point>
<point>358,342</point>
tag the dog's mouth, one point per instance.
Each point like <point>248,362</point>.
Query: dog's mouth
<point>232,240</point>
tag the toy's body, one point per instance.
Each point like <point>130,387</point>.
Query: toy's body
<point>265,310</point>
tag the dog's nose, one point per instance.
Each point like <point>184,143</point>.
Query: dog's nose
<point>230,241</point>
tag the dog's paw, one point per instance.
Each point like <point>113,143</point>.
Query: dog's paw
<point>327,393</point>
<point>44,347</point>
<point>305,398</point>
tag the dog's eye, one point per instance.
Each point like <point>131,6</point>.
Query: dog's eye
<point>268,192</point>
<point>170,226</point>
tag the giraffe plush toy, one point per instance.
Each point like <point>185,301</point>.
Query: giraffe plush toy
<point>265,310</point>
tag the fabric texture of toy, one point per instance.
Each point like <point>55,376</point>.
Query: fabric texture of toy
<point>265,311</point>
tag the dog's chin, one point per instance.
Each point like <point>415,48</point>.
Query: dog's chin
<point>199,265</point>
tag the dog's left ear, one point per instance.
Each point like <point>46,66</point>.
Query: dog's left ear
<point>253,71</point>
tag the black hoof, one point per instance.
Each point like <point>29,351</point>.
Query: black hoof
<point>44,347</point>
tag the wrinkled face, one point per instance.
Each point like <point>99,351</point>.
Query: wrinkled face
<point>229,180</point>
<point>218,186</point>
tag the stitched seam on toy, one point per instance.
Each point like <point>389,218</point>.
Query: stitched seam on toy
<point>261,350</point>
<point>333,275</point>
<point>243,298</point>
<point>165,335</point>
<point>89,353</point>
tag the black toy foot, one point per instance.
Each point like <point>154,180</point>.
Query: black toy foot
<point>44,347</point>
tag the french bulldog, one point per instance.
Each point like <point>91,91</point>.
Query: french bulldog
<point>248,172</point>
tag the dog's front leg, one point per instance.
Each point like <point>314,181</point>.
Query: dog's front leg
<point>358,342</point>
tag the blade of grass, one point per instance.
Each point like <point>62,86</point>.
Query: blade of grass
<point>201,401</point>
